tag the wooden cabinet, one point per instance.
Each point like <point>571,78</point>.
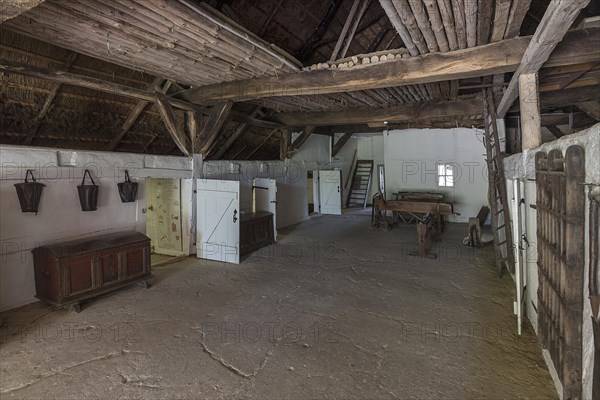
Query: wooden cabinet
<point>67,273</point>
<point>256,231</point>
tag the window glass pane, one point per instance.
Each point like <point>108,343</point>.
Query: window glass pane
<point>441,170</point>
<point>449,181</point>
<point>442,181</point>
<point>449,170</point>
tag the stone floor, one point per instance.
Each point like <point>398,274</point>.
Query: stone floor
<point>334,310</point>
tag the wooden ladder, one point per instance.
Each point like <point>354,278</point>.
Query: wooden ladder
<point>497,194</point>
<point>361,184</point>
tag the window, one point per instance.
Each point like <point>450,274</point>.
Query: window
<point>445,175</point>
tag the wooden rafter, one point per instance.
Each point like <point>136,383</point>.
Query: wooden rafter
<point>216,119</point>
<point>552,29</point>
<point>555,131</point>
<point>344,33</point>
<point>37,123</point>
<point>352,32</point>
<point>340,144</point>
<point>261,144</point>
<point>239,131</point>
<point>133,116</point>
<point>518,10</point>
<point>284,144</point>
<point>591,108</point>
<point>320,30</point>
<point>168,116</point>
<point>300,140</point>
<point>501,57</point>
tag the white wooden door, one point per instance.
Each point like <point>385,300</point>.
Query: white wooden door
<point>265,198</point>
<point>218,219</point>
<point>163,218</point>
<point>330,195</point>
<point>516,213</point>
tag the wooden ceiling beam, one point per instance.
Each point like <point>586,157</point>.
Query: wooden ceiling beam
<point>344,33</point>
<point>319,31</point>
<point>552,30</point>
<point>472,106</point>
<point>306,133</point>
<point>505,56</point>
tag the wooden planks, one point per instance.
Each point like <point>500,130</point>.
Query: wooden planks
<point>165,38</point>
<point>501,57</point>
<point>554,25</point>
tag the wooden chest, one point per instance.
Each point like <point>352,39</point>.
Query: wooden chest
<point>256,231</point>
<point>67,273</point>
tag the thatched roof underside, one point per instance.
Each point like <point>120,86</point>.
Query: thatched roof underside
<point>135,43</point>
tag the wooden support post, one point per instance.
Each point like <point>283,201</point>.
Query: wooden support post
<point>531,123</point>
<point>286,137</point>
<point>168,116</point>
<point>557,20</point>
<point>191,125</point>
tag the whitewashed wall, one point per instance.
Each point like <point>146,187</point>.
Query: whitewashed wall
<point>412,156</point>
<point>60,217</point>
<point>522,167</point>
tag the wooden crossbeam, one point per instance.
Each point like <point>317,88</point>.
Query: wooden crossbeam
<point>133,116</point>
<point>168,116</point>
<point>340,144</point>
<point>552,29</point>
<point>215,122</point>
<point>497,58</point>
<point>402,113</point>
<point>555,131</point>
<point>37,123</point>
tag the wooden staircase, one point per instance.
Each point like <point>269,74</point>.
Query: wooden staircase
<point>497,194</point>
<point>361,184</point>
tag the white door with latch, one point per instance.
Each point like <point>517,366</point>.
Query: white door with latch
<point>265,198</point>
<point>218,220</point>
<point>330,195</point>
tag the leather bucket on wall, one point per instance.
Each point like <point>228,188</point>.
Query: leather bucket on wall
<point>88,194</point>
<point>29,193</point>
<point>128,189</point>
